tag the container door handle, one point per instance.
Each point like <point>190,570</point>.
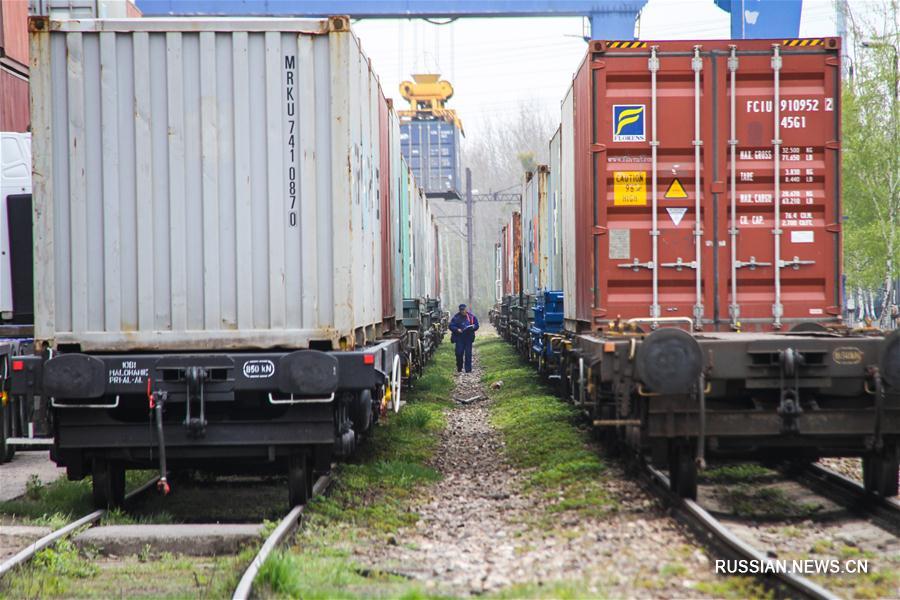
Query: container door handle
<point>751,264</point>
<point>679,264</point>
<point>637,265</point>
<point>795,263</point>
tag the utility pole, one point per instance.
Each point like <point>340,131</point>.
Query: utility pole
<point>469,245</point>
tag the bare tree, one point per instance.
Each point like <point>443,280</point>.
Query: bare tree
<point>498,151</point>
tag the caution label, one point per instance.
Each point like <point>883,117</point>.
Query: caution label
<point>630,188</point>
<point>676,190</point>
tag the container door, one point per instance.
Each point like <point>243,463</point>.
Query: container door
<point>784,258</point>
<point>632,277</point>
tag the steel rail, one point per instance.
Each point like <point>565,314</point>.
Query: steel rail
<point>287,526</point>
<point>851,494</point>
<point>701,518</point>
<point>29,551</point>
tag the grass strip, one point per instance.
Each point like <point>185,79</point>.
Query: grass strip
<point>370,497</point>
<point>543,435</point>
<point>58,502</point>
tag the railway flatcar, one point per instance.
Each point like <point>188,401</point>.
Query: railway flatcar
<point>701,236</point>
<point>218,279</point>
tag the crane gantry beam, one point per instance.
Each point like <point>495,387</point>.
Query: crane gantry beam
<point>610,19</point>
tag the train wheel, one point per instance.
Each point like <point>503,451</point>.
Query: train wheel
<point>880,473</point>
<point>299,480</point>
<point>108,486</point>
<point>682,471</point>
<point>6,431</point>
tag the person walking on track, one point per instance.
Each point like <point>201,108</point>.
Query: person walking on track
<point>463,326</point>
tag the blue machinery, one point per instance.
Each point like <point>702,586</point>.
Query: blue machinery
<point>548,319</point>
<point>610,19</point>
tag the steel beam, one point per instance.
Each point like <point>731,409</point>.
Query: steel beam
<point>610,19</point>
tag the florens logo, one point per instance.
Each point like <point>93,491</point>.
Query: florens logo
<point>628,123</point>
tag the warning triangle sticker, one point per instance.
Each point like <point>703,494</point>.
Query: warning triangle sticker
<point>675,191</point>
<point>676,214</point>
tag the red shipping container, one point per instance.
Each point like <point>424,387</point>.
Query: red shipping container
<point>745,134</point>
<point>14,34</point>
<point>512,272</point>
<point>14,109</point>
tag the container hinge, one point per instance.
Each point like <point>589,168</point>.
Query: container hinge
<point>795,263</point>
<point>698,316</point>
<point>679,264</point>
<point>833,228</point>
<point>637,265</point>
<point>751,264</point>
<point>733,62</point>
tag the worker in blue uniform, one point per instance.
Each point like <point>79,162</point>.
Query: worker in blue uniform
<point>463,326</point>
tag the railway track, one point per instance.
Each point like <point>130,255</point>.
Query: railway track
<point>858,508</point>
<point>92,518</point>
<point>847,492</point>
<point>731,546</point>
<point>282,531</point>
<point>285,527</point>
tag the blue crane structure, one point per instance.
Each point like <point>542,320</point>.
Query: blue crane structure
<point>610,19</point>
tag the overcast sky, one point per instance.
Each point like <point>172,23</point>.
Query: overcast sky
<point>495,63</point>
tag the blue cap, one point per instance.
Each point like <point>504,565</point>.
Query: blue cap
<point>462,306</point>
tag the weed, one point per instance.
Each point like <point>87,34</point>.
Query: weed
<point>49,572</point>
<point>673,570</point>
<point>33,487</point>
<point>145,553</point>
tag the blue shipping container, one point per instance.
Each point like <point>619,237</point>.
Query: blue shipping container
<point>432,149</point>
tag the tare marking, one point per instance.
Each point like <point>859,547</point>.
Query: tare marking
<point>259,369</point>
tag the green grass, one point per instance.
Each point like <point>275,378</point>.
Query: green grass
<point>737,588</point>
<point>554,590</point>
<point>63,571</point>
<point>737,473</point>
<point>752,501</point>
<point>58,502</point>
<point>370,497</point>
<point>542,434</point>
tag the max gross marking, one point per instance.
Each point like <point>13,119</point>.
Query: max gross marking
<point>830,566</point>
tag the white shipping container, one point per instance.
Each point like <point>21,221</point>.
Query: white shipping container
<point>554,239</point>
<point>204,184</point>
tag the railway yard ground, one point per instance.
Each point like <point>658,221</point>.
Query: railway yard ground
<point>483,484</point>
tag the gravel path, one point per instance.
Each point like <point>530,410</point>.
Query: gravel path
<point>479,533</point>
